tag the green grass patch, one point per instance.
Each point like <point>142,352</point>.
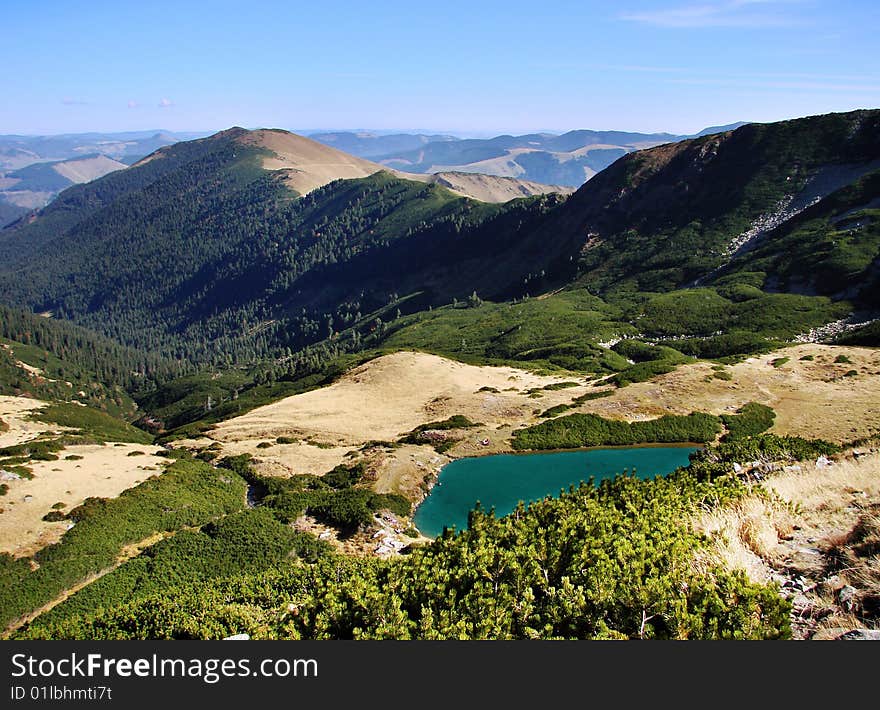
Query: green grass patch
<point>591,396</point>
<point>555,411</point>
<point>560,386</point>
<point>90,424</point>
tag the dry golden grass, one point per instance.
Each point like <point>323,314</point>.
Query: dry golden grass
<point>827,498</point>
<point>105,470</point>
<point>307,164</point>
<point>383,400</point>
<point>819,524</point>
<point>16,412</point>
<point>746,535</point>
<point>811,398</point>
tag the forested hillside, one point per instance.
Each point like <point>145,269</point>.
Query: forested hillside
<point>721,245</point>
<point>668,217</point>
<point>239,266</point>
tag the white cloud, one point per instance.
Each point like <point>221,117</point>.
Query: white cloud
<point>133,104</point>
<point>729,13</point>
<point>165,103</point>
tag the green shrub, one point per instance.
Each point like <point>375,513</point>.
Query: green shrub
<point>643,371</point>
<point>764,446</point>
<point>245,541</point>
<point>188,493</point>
<point>344,476</point>
<point>591,395</point>
<point>579,430</point>
<point>286,440</point>
<point>779,362</point>
<point>750,420</point>
<point>560,386</point>
<point>554,411</point>
<point>587,565</point>
<point>441,447</point>
<point>346,509</point>
<point>394,502</point>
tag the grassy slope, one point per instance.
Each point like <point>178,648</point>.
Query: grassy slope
<point>560,331</point>
<point>662,218</point>
<point>830,248</point>
<point>188,493</point>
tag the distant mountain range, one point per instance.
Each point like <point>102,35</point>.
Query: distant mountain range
<point>34,169</point>
<point>206,247</point>
<point>569,159</point>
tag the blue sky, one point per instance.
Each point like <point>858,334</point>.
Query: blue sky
<point>477,67</point>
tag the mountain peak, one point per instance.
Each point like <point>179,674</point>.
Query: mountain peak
<point>307,164</point>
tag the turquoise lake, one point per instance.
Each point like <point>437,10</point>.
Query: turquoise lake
<point>504,480</point>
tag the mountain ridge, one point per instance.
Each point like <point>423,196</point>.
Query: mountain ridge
<point>257,269</point>
<point>568,159</point>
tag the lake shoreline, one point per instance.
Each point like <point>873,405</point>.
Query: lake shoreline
<point>501,483</point>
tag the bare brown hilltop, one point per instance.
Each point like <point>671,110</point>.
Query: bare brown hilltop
<point>308,165</point>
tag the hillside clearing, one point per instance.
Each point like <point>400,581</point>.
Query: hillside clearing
<point>382,400</point>
<point>104,471</point>
<point>812,398</point>
<point>16,412</point>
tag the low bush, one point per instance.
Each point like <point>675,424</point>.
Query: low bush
<point>579,430</point>
<point>750,420</point>
<point>188,493</point>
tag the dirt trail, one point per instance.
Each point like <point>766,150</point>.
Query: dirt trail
<point>127,553</point>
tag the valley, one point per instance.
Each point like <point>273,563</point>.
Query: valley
<point>231,371</point>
